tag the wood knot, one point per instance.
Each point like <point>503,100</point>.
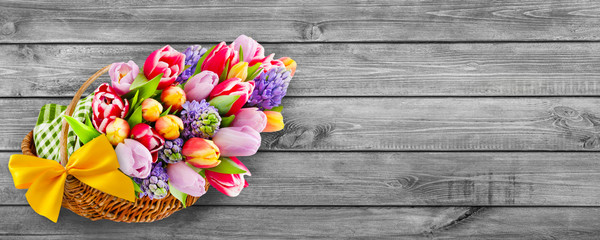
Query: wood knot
<point>583,127</point>
<point>313,31</point>
<point>8,28</point>
<point>295,136</point>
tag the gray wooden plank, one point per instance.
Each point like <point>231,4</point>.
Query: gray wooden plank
<point>319,222</point>
<point>403,179</point>
<point>315,20</point>
<point>509,69</point>
<point>398,124</point>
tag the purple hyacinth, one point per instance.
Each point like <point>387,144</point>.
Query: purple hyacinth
<point>270,87</point>
<point>171,152</point>
<point>192,55</point>
<point>199,119</point>
<point>156,185</point>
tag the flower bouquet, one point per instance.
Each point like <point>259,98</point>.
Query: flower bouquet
<point>153,140</point>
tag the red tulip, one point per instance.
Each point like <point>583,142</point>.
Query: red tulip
<point>234,86</point>
<point>228,184</point>
<point>267,62</point>
<point>148,137</point>
<point>106,107</point>
<point>167,61</point>
<point>217,58</point>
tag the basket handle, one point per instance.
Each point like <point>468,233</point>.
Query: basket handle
<point>65,127</point>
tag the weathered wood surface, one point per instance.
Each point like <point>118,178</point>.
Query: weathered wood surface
<point>399,124</point>
<point>396,104</point>
<point>289,21</point>
<point>484,69</point>
<point>321,222</point>
<point>403,179</point>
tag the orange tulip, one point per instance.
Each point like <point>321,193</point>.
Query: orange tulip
<point>274,121</point>
<point>290,64</point>
<point>173,97</point>
<point>151,110</point>
<point>201,153</point>
<point>169,126</point>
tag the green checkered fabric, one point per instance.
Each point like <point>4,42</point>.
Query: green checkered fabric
<point>49,124</point>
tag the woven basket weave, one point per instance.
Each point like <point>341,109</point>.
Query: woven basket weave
<point>94,204</point>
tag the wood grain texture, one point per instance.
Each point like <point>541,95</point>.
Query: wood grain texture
<point>403,179</point>
<point>319,222</point>
<point>508,69</point>
<point>398,124</point>
<point>187,21</point>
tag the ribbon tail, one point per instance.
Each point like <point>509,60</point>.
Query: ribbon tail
<point>112,182</point>
<point>46,193</point>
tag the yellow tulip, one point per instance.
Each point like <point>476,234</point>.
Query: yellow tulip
<point>117,131</point>
<point>274,121</point>
<point>239,70</point>
<point>169,126</point>
<point>151,110</point>
<point>290,64</point>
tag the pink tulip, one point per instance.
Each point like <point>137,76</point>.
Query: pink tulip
<point>148,137</point>
<point>250,47</point>
<point>199,86</point>
<point>237,141</point>
<point>166,60</point>
<point>234,86</point>
<point>122,76</point>
<point>201,153</point>
<point>251,117</point>
<point>267,62</point>
<point>186,180</point>
<point>107,106</point>
<point>134,159</point>
<point>216,59</point>
<point>228,184</point>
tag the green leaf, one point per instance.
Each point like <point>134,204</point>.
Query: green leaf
<point>223,76</point>
<point>186,67</point>
<point>223,103</point>
<point>88,122</point>
<point>254,71</point>
<point>226,121</point>
<point>181,196</point>
<point>148,89</point>
<point>201,172</point>
<point>227,166</point>
<point>84,132</point>
<point>241,54</point>
<point>166,112</point>
<point>134,100</point>
<point>145,88</point>
<point>136,117</point>
<point>201,61</point>
<point>276,109</point>
<point>136,187</point>
<point>139,80</point>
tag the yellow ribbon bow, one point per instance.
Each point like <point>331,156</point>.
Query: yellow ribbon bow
<point>94,164</point>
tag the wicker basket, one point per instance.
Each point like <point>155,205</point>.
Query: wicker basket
<point>94,204</point>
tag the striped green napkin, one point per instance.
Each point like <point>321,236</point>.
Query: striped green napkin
<point>48,126</point>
